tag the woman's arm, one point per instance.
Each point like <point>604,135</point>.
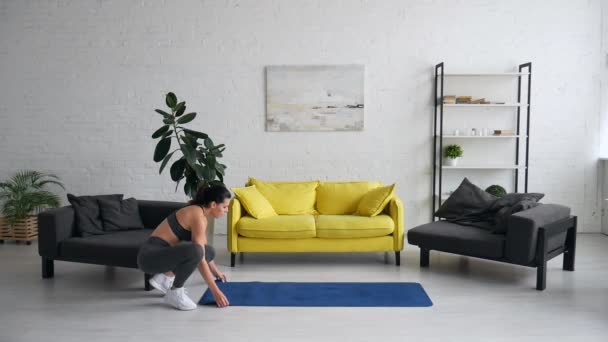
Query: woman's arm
<point>199,237</point>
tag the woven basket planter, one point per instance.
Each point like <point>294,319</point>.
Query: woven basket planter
<point>23,230</point>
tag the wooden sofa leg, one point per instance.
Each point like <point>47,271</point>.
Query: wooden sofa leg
<point>424,257</point>
<point>147,281</point>
<point>570,251</point>
<point>232,259</point>
<point>48,268</point>
<point>397,258</point>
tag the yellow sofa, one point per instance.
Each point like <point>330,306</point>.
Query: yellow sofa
<point>315,216</point>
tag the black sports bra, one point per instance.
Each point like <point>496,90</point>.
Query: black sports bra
<point>182,233</point>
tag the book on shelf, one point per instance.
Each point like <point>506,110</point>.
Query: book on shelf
<point>504,132</point>
<point>449,99</point>
<point>464,99</point>
<point>480,101</point>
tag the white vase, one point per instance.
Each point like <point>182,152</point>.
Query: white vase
<point>451,161</point>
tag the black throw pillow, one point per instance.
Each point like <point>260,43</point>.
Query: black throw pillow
<point>468,200</point>
<point>510,204</point>
<point>120,215</point>
<point>87,213</point>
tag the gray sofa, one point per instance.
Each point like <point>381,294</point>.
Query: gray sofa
<point>58,238</point>
<point>533,237</point>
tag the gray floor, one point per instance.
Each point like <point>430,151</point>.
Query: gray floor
<point>474,300</point>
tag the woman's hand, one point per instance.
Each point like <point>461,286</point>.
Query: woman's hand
<point>220,276</point>
<point>220,299</point>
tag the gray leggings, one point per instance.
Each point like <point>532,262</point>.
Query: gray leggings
<point>158,256</point>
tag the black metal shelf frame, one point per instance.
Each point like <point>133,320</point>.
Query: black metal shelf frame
<point>438,132</point>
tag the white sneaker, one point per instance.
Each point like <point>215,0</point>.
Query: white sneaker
<point>178,298</point>
<point>161,282</point>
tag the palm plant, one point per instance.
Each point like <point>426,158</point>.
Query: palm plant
<point>24,194</point>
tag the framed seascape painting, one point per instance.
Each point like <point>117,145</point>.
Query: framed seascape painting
<point>314,98</point>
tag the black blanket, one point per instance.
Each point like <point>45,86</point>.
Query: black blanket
<point>471,206</point>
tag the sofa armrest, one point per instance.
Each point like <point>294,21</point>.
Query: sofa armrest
<point>523,227</point>
<point>154,212</point>
<point>396,212</point>
<point>54,226</point>
<point>234,215</point>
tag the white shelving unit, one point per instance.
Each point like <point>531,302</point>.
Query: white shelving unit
<point>520,105</point>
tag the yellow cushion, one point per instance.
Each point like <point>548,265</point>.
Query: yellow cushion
<point>340,198</point>
<point>375,200</point>
<point>254,202</point>
<point>289,198</point>
<point>277,227</point>
<point>350,226</point>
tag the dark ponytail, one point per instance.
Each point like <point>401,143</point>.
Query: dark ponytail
<point>206,195</point>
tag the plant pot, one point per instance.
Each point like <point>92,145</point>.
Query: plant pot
<point>5,230</point>
<point>26,229</point>
<point>451,161</point>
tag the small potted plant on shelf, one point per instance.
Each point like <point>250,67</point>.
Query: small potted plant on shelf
<point>452,154</point>
<point>23,196</point>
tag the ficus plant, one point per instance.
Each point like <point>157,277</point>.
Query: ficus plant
<point>195,155</point>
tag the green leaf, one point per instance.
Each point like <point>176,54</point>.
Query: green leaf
<point>210,174</point>
<point>162,148</point>
<point>219,176</point>
<point>171,100</point>
<point>177,169</point>
<point>209,143</point>
<point>159,132</point>
<point>163,113</point>
<point>186,118</point>
<point>165,161</point>
<point>169,121</point>
<point>210,161</point>
<point>200,171</point>
<point>189,140</point>
<point>220,168</point>
<point>197,134</point>
<point>180,108</point>
<point>168,133</point>
<point>190,153</point>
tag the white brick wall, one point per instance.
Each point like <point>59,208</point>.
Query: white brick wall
<point>80,81</point>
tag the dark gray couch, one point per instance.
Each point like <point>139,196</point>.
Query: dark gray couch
<point>533,237</point>
<point>58,238</point>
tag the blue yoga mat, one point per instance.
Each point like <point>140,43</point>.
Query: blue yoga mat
<point>321,294</point>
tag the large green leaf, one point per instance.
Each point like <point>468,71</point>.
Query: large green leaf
<point>162,148</point>
<point>163,113</point>
<point>171,100</point>
<point>169,121</point>
<point>197,134</point>
<point>165,161</point>
<point>186,118</point>
<point>190,153</point>
<point>159,132</point>
<point>180,108</point>
<point>177,169</point>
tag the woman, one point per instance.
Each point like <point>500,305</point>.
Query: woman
<point>163,252</point>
